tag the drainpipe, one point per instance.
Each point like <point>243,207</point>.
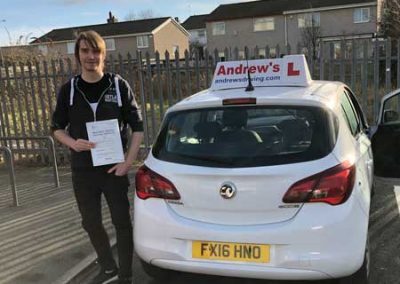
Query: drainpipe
<point>286,31</point>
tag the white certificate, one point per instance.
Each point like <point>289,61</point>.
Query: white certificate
<point>106,135</point>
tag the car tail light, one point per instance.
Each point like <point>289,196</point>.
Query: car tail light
<point>332,186</point>
<point>151,185</point>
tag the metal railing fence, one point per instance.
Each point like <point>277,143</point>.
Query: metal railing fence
<point>371,67</point>
<point>11,172</point>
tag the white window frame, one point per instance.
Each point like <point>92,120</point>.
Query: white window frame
<point>337,49</point>
<point>305,20</point>
<point>201,33</point>
<point>264,24</point>
<point>218,28</point>
<point>43,49</point>
<point>262,52</point>
<point>358,15</point>
<point>141,41</point>
<point>175,48</point>
<point>272,52</point>
<point>71,47</point>
<point>110,43</point>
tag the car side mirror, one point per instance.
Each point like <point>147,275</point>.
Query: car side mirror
<point>390,115</point>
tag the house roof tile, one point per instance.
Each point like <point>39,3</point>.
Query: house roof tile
<point>195,22</point>
<point>271,7</point>
<point>109,29</point>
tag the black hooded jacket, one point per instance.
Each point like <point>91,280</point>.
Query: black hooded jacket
<point>73,115</point>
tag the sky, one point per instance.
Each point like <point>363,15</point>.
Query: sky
<point>23,20</point>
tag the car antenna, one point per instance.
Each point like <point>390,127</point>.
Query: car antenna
<point>249,87</point>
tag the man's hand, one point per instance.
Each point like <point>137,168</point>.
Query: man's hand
<point>120,169</point>
<point>78,145</point>
<point>82,145</point>
<point>123,168</point>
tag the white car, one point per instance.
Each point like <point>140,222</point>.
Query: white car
<point>269,181</point>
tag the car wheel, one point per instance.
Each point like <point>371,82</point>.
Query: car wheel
<point>157,272</point>
<point>360,276</point>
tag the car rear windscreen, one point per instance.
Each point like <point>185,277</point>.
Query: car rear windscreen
<point>245,136</point>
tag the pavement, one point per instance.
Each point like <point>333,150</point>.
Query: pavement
<point>42,241</point>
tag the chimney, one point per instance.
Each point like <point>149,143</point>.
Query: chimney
<point>111,19</point>
<point>177,19</point>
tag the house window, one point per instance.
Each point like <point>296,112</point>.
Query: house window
<point>272,52</point>
<point>221,55</point>
<point>308,20</point>
<point>71,47</point>
<point>361,15</point>
<point>304,50</point>
<point>110,44</point>
<point>201,33</point>
<point>264,24</point>
<point>262,53</point>
<point>142,41</point>
<point>43,49</point>
<point>218,28</point>
<point>241,55</point>
<point>337,50</point>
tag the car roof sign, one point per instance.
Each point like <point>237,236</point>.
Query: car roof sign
<point>291,70</point>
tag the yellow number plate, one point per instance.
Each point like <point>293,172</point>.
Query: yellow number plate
<point>230,251</point>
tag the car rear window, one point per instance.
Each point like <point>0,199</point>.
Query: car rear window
<point>245,136</point>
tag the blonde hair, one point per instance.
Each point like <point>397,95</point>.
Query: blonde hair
<point>93,39</point>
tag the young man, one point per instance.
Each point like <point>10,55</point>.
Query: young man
<point>97,96</point>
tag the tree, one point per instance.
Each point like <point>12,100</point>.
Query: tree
<point>390,19</point>
<point>143,14</point>
<point>197,47</point>
<point>311,35</point>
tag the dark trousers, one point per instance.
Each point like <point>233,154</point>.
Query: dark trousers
<point>88,186</point>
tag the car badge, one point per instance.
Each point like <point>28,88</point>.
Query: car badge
<point>227,191</point>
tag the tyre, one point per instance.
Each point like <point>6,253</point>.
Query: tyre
<point>157,272</point>
<point>360,276</point>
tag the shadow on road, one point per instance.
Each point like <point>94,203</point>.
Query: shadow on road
<point>184,278</point>
<point>384,231</point>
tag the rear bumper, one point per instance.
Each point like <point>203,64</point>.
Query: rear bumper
<point>238,270</point>
<point>309,246</point>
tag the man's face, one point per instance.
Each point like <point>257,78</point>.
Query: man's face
<point>92,60</point>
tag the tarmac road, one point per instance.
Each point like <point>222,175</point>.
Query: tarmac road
<point>384,241</point>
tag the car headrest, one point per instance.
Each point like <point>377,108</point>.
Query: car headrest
<point>207,129</point>
<point>235,118</point>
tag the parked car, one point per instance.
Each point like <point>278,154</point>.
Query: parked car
<point>269,180</point>
<point>386,139</point>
